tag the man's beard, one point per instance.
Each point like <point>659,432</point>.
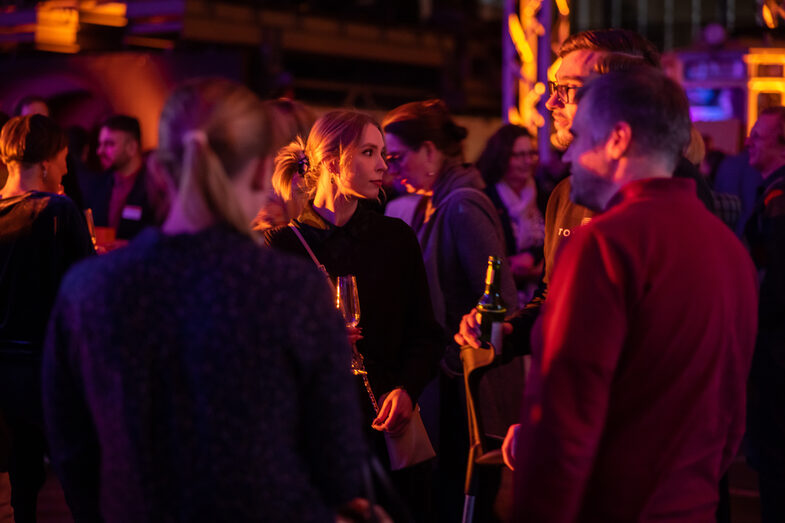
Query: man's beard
<point>559,142</point>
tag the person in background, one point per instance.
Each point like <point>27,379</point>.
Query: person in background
<point>339,167</point>
<point>119,197</point>
<point>736,176</point>
<point>765,235</point>
<point>214,397</point>
<point>3,169</point>
<point>42,234</point>
<point>458,228</point>
<point>508,164</point>
<point>292,119</point>
<point>628,372</point>
<point>31,104</point>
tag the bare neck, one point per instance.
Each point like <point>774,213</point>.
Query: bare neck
<point>21,181</point>
<point>130,168</point>
<point>333,206</point>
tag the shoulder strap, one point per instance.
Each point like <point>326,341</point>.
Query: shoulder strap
<point>321,267</point>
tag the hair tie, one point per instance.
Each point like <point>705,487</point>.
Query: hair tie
<point>303,165</point>
<point>195,135</point>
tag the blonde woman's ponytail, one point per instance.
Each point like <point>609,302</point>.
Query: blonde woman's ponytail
<point>290,162</point>
<point>204,185</point>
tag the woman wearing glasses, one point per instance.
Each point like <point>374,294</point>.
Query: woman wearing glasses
<point>458,228</point>
<point>508,164</point>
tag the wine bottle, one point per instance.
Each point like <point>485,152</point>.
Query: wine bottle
<point>491,307</point>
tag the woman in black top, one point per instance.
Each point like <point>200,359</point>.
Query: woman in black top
<point>339,167</point>
<point>41,235</point>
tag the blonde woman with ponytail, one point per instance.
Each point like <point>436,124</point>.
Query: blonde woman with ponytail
<point>340,167</point>
<point>181,381</point>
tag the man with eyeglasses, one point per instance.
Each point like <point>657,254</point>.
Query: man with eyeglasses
<point>582,55</point>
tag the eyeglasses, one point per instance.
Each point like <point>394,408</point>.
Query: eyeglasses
<point>393,159</point>
<point>565,93</point>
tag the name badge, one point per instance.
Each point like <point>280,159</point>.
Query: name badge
<point>132,212</point>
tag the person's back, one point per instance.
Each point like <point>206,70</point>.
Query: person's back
<point>674,400</point>
<point>195,375</point>
<point>205,372</point>
<point>41,235</point>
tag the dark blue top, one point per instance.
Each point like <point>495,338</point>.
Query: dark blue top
<point>41,236</point>
<point>200,377</point>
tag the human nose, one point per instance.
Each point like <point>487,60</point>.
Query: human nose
<point>553,101</point>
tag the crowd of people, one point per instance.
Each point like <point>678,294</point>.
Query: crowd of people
<point>169,337</point>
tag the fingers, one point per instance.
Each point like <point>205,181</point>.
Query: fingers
<point>384,412</point>
<point>508,447</point>
<point>355,334</point>
<point>507,328</point>
<point>395,413</point>
<point>469,330</point>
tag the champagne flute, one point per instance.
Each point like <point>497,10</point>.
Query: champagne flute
<point>348,302</point>
<point>88,214</point>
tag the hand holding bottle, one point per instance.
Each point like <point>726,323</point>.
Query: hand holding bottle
<point>469,330</point>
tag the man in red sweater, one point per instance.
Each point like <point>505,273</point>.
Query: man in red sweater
<point>635,404</point>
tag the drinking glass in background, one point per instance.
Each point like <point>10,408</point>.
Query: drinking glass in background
<point>88,214</point>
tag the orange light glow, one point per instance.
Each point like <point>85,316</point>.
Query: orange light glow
<point>519,39</point>
<point>563,7</point>
<point>756,84</point>
<point>768,17</point>
<point>56,28</point>
<point>103,13</point>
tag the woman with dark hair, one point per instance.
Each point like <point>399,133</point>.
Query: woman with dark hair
<point>508,164</point>
<point>41,235</point>
<point>184,377</point>
<point>458,228</point>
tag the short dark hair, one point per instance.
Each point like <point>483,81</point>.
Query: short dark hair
<point>620,41</point>
<point>494,159</point>
<point>779,112</point>
<point>654,106</point>
<point>125,123</point>
<point>430,120</point>
<point>27,100</point>
<point>31,139</point>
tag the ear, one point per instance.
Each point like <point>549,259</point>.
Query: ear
<point>132,147</point>
<point>619,140</point>
<point>430,150</point>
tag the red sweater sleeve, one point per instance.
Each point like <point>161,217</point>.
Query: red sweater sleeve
<point>566,400</point>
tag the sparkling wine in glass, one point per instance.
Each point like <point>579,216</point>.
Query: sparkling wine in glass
<point>347,300</point>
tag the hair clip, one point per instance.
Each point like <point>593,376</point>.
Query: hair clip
<point>303,165</point>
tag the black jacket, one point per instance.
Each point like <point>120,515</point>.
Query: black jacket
<point>402,342</point>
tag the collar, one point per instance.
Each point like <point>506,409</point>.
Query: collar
<point>774,178</point>
<point>127,179</point>
<point>653,188</point>
<point>311,223</point>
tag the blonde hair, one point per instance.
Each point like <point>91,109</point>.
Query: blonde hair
<point>209,130</point>
<point>333,138</point>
